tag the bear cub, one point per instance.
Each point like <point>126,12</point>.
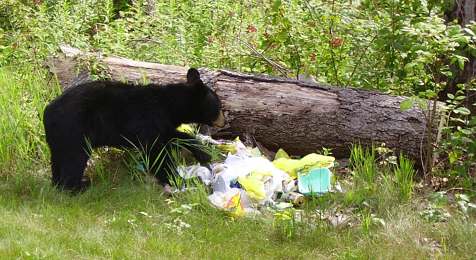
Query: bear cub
<point>115,114</point>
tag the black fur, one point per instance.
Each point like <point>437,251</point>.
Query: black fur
<point>115,114</point>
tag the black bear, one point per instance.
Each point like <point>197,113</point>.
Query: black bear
<point>115,114</point>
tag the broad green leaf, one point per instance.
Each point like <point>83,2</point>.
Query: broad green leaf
<point>462,111</point>
<point>463,197</point>
<point>453,156</point>
<point>460,60</point>
<point>409,67</point>
<point>469,31</point>
<point>465,131</point>
<point>276,5</point>
<point>466,140</point>
<point>406,104</point>
<point>422,103</point>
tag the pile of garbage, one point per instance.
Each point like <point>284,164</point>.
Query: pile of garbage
<point>246,181</point>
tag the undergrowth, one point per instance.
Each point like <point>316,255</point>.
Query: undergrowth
<point>125,215</point>
<point>384,212</point>
<point>399,47</point>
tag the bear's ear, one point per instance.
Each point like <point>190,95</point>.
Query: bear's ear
<point>193,76</point>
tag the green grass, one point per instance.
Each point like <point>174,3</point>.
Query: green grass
<point>363,162</point>
<point>22,100</point>
<point>125,216</point>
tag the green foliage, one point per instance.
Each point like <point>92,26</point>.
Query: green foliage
<point>139,159</point>
<point>23,97</point>
<point>379,183</point>
<point>339,42</point>
<point>397,46</point>
<point>458,148</point>
<point>404,174</point>
<point>285,224</point>
<point>35,31</point>
<point>363,164</point>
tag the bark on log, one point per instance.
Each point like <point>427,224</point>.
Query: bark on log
<point>300,117</point>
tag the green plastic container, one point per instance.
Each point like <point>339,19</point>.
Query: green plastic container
<point>315,181</point>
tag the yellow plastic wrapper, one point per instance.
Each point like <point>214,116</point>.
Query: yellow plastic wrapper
<point>227,147</point>
<point>281,154</point>
<point>234,206</point>
<point>254,184</point>
<point>308,162</point>
<point>186,128</point>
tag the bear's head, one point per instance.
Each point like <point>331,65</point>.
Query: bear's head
<point>206,105</point>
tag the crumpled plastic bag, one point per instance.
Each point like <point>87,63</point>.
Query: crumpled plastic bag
<point>203,173</point>
<point>308,162</point>
<point>235,201</point>
<point>257,175</point>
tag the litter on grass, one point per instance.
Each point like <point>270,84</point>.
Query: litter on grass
<point>246,181</point>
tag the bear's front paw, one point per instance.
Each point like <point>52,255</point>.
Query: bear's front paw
<point>82,187</point>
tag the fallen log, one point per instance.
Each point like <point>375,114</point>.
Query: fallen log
<point>300,117</point>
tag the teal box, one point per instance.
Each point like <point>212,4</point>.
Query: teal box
<point>315,181</point>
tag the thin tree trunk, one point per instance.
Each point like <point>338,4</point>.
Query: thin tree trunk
<point>464,11</point>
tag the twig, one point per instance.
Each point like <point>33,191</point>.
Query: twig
<point>460,189</point>
<point>281,69</point>
<point>145,39</point>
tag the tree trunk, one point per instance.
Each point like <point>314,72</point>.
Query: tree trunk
<point>464,11</point>
<point>300,117</point>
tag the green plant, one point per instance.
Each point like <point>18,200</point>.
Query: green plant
<point>430,69</point>
<point>139,159</point>
<point>285,223</point>
<point>326,151</point>
<point>23,96</point>
<point>404,174</point>
<point>363,165</point>
<point>458,146</point>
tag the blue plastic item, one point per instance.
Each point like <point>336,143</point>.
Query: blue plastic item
<point>315,181</point>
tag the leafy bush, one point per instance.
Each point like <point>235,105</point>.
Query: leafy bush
<point>458,148</point>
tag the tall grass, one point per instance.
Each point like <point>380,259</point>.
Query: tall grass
<point>379,187</point>
<point>363,164</point>
<point>23,96</point>
<point>404,174</point>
